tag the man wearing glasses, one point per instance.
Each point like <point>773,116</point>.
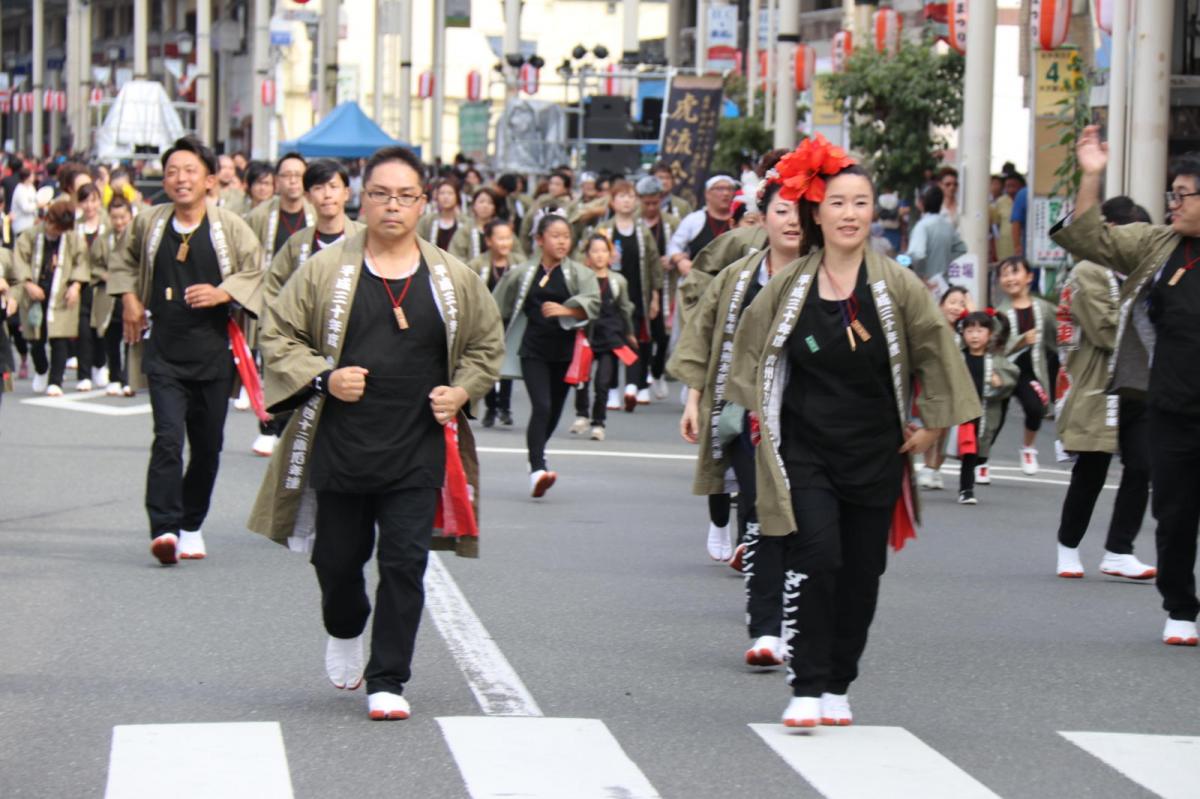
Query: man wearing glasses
<point>274,222</point>
<point>1156,356</point>
<point>377,342</point>
<point>181,268</point>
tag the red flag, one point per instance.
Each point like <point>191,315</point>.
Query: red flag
<point>580,370</point>
<point>455,514</point>
<point>627,355</point>
<point>244,361</point>
<point>904,516</point>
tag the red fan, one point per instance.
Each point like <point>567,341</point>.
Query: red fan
<point>904,517</point>
<point>244,361</point>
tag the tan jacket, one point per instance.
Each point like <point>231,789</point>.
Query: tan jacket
<point>302,337</point>
<point>30,256</point>
<point>714,257</point>
<point>239,255</point>
<point>296,251</point>
<point>1088,419</point>
<point>651,274</point>
<point>921,347</point>
<point>264,221</point>
<point>103,251</point>
<point>465,244</point>
<point>427,225</point>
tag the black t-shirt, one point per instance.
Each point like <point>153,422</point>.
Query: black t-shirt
<point>545,338</point>
<point>288,224</point>
<point>712,228</point>
<point>629,264</point>
<point>1175,312</point>
<point>388,440</point>
<point>495,273</point>
<point>444,235</point>
<point>323,240</point>
<point>975,367</point>
<point>839,407</point>
<point>49,265</point>
<point>608,328</point>
<point>1025,322</point>
<point>186,343</point>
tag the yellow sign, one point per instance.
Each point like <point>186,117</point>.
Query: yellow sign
<point>824,110</point>
<point>1059,76</point>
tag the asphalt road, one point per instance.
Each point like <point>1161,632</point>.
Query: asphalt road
<point>604,604</point>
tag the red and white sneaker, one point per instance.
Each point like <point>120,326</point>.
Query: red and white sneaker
<point>1029,461</point>
<point>982,476</point>
<point>631,398</point>
<point>767,650</point>
<point>384,706</point>
<point>1069,564</point>
<point>164,547</point>
<point>1127,566</point>
<point>1180,632</point>
<point>540,482</point>
<point>835,710</point>
<point>735,562</point>
<point>191,545</point>
<point>803,713</point>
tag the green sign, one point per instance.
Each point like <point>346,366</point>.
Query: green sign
<point>473,119</point>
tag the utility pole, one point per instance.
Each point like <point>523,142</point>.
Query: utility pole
<point>785,73</point>
<point>1118,93</point>
<point>752,59</point>
<point>204,69</point>
<point>73,53</point>
<point>328,46</point>
<point>512,45</point>
<point>772,67</point>
<point>381,31</point>
<point>406,49</point>
<point>975,144</point>
<point>1150,112</point>
<point>629,32</point>
<point>39,76</point>
<point>141,24</point>
<point>701,35</point>
<point>261,119</point>
<point>439,79</point>
<point>671,44</point>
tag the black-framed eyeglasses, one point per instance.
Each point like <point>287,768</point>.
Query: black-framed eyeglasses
<point>1176,198</point>
<point>380,197</point>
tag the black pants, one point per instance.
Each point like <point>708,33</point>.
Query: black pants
<point>14,332</point>
<point>500,397</point>
<point>90,350</point>
<point>604,375</point>
<point>638,374</point>
<point>832,566</point>
<point>966,471</point>
<point>345,540</point>
<point>547,395</point>
<point>114,345</point>
<point>719,508</point>
<point>57,363</point>
<point>1175,458</point>
<point>1031,403</point>
<point>741,458</point>
<point>660,337</point>
<point>177,499</point>
<point>762,558</point>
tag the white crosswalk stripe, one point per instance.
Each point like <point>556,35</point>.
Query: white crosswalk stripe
<point>541,758</point>
<point>198,761</point>
<point>77,402</point>
<point>1167,765</point>
<point>879,762</point>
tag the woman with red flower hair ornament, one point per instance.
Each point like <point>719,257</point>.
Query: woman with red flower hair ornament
<point>825,360</point>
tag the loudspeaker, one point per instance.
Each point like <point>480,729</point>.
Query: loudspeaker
<point>609,117</point>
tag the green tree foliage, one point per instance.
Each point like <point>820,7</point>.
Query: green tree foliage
<point>897,105</point>
<point>737,138</point>
<point>1074,113</point>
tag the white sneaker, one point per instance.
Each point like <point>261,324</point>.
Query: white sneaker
<point>191,545</point>
<point>54,391</point>
<point>40,382</point>
<point>719,547</point>
<point>242,403</point>
<point>1029,462</point>
<point>982,476</point>
<point>767,650</point>
<point>1129,566</point>
<point>597,433</point>
<point>264,445</point>
<point>164,547</point>
<point>1069,564</point>
<point>614,399</point>
<point>344,662</point>
<point>383,706</point>
<point>936,482</point>
<point>659,388</point>
<point>72,362</point>
<point>580,425</point>
<point>643,397</point>
<point>100,375</point>
<point>540,482</point>
<point>803,712</point>
<point>835,710</point>
<point>1180,632</point>
<point>112,390</point>
<point>925,477</point>
<point>84,385</point>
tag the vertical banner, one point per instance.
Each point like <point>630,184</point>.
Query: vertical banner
<point>690,131</point>
<point>473,120</point>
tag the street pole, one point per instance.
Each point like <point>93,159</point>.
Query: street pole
<point>328,33</point>
<point>629,32</point>
<point>785,74</point>
<point>701,35</point>
<point>1118,93</point>
<point>671,45</point>
<point>1150,111</point>
<point>39,75</point>
<point>406,49</point>
<point>141,25</point>
<point>204,68</point>
<point>512,44</point>
<point>83,66</point>
<point>752,59</point>
<point>73,53</point>
<point>380,52</point>
<point>261,120</point>
<point>975,144</point>
<point>772,43</point>
<point>439,79</point>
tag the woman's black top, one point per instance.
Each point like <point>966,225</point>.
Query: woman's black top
<point>1025,322</point>
<point>608,329</point>
<point>545,338</point>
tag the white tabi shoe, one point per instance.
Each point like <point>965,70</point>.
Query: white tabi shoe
<point>719,547</point>
<point>84,385</point>
<point>925,478</point>
<point>1127,566</point>
<point>835,710</point>
<point>1069,564</point>
<point>383,706</point>
<point>802,713</point>
<point>767,650</point>
<point>112,390</point>
<point>40,382</point>
<point>659,389</point>
<point>643,397</point>
<point>614,399</point>
<point>264,445</point>
<point>100,375</point>
<point>344,662</point>
<point>580,425</point>
<point>191,545</point>
<point>540,482</point>
<point>242,403</point>
<point>54,391</point>
<point>1180,632</point>
<point>164,547</point>
<point>936,482</point>
<point>1029,461</point>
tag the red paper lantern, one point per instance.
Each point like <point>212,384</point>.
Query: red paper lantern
<point>957,24</point>
<point>1104,15</point>
<point>1050,20</point>
<point>529,78</point>
<point>843,47</point>
<point>5,100</point>
<point>806,66</point>
<point>612,85</point>
<point>425,85</point>
<point>28,102</point>
<point>60,101</point>
<point>267,92</point>
<point>887,24</point>
<point>97,95</point>
<point>474,85</point>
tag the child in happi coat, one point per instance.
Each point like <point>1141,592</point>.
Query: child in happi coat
<point>984,335</point>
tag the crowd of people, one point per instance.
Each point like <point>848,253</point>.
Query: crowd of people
<point>386,307</point>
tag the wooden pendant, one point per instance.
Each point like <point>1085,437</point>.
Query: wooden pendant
<point>545,279</point>
<point>853,343</point>
<point>181,256</point>
<point>1175,278</point>
<point>401,319</point>
<point>861,331</point>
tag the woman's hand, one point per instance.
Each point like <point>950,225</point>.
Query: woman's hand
<point>133,317</point>
<point>918,440</point>
<point>996,382</point>
<point>34,292</point>
<point>552,309</point>
<point>72,297</point>
<point>689,423</point>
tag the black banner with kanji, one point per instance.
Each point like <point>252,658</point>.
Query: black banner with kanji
<point>690,132</point>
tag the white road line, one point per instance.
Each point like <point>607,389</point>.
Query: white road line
<point>656,456</point>
<point>1167,765</point>
<point>74,402</point>
<point>879,762</point>
<point>198,761</point>
<point>492,678</point>
<point>543,759</point>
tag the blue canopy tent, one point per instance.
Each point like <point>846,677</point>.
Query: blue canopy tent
<point>346,133</point>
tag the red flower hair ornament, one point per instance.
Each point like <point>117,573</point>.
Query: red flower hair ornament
<point>802,172</point>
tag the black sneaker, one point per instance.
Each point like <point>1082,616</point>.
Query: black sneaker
<point>489,418</point>
<point>505,417</point>
<point>967,498</point>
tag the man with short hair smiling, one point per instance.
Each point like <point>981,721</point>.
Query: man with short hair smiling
<point>377,343</point>
<point>1156,355</point>
<point>177,272</point>
<point>229,186</point>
